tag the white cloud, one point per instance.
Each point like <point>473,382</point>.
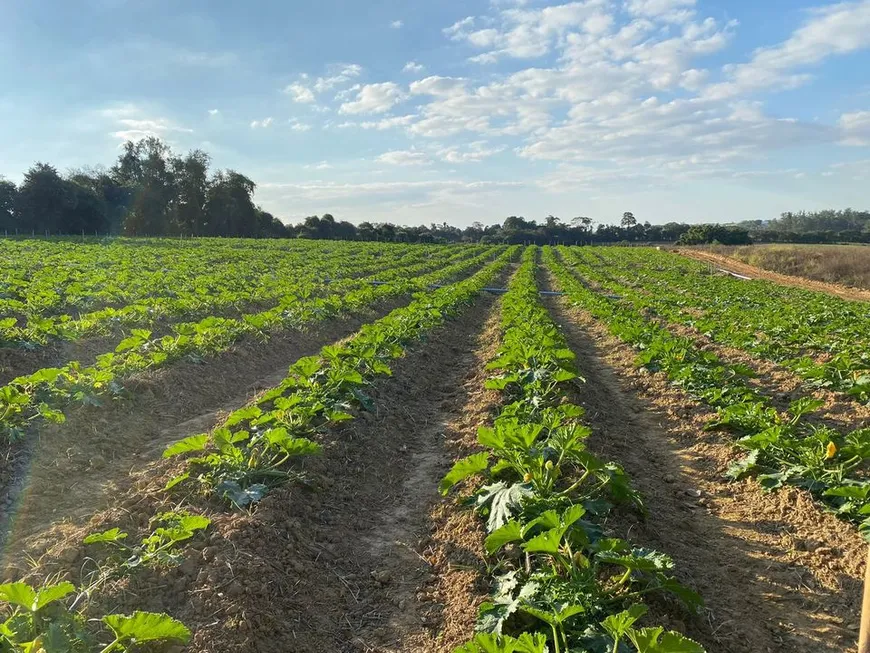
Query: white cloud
<point>388,123</point>
<point>529,33</point>
<point>136,125</point>
<point>374,98</point>
<point>305,92</point>
<point>329,191</point>
<point>835,30</point>
<point>674,11</point>
<point>856,128</point>
<point>298,126</point>
<point>323,165</point>
<point>339,75</point>
<point>214,112</point>
<point>439,86</point>
<point>397,24</point>
<point>262,124</point>
<point>300,93</point>
<point>693,79</point>
<point>413,67</point>
<point>475,152</point>
<point>403,158</point>
<point>457,29</point>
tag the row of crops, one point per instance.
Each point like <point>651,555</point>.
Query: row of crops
<point>319,292</point>
<point>559,581</point>
<point>254,450</point>
<point>798,329</point>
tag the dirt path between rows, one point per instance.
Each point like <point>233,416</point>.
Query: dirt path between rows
<point>781,385</point>
<point>74,468</point>
<point>371,558</point>
<point>733,265</point>
<point>776,572</point>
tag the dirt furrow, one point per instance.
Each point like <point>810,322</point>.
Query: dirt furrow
<point>776,572</point>
<point>363,556</point>
<point>72,470</point>
<point>383,562</point>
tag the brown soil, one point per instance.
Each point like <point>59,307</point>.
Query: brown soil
<point>733,265</point>
<point>776,572</point>
<point>365,557</point>
<point>74,467</point>
<point>365,571</point>
<point>20,362</point>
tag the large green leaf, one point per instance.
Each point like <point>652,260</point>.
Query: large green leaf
<point>510,532</point>
<point>111,535</point>
<point>20,594</point>
<point>503,501</point>
<point>51,593</point>
<point>147,627</point>
<point>656,640</point>
<point>617,625</point>
<point>547,542</point>
<point>462,469</point>
<point>490,643</point>
<point>187,445</point>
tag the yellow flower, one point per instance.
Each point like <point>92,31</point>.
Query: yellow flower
<point>831,451</point>
<point>527,478</point>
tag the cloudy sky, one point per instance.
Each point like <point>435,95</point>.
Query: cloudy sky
<point>459,110</point>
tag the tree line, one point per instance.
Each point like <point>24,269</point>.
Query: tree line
<point>149,191</point>
<point>828,226</point>
<point>152,191</point>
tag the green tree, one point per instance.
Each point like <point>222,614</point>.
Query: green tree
<point>190,178</point>
<point>145,168</point>
<point>230,207</point>
<point>42,200</point>
<point>8,195</point>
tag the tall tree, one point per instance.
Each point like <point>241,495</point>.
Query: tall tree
<point>190,176</point>
<point>8,195</point>
<point>230,206</point>
<point>145,167</point>
<point>42,199</point>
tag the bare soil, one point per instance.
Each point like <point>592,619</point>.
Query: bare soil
<point>776,572</point>
<point>66,472</point>
<point>365,557</point>
<point>733,265</point>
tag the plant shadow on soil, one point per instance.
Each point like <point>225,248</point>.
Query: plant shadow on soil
<point>752,556</point>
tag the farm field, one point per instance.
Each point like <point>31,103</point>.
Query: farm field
<point>293,445</point>
<point>842,269</point>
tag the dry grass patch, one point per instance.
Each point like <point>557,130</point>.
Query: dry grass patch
<point>842,264</point>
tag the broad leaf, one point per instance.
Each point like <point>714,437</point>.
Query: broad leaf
<point>617,625</point>
<point>187,445</point>
<point>510,532</point>
<point>147,627</point>
<point>111,535</point>
<point>462,469</point>
<point>655,640</point>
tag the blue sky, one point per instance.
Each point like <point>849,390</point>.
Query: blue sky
<point>459,110</point>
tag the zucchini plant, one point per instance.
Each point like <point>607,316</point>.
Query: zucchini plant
<point>781,447</point>
<point>558,580</point>
<point>44,620</point>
